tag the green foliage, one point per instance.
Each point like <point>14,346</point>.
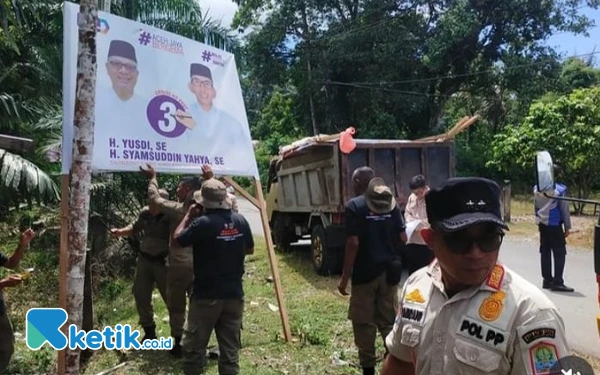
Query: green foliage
<point>276,126</point>
<point>23,181</point>
<point>568,127</point>
<point>390,71</point>
<point>577,73</point>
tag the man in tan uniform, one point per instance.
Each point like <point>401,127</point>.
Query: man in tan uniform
<point>150,266</point>
<point>465,312</point>
<point>7,337</point>
<point>180,268</point>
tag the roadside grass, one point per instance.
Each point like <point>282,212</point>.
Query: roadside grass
<point>317,315</point>
<point>322,335</point>
<point>522,223</point>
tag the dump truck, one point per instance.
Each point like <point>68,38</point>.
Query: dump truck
<point>309,185</point>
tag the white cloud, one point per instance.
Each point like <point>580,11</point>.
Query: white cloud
<point>219,10</point>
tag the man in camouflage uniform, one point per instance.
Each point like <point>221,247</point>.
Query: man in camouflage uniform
<point>153,227</point>
<point>7,338</point>
<point>180,269</point>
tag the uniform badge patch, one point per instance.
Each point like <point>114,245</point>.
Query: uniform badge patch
<point>543,356</point>
<point>496,277</point>
<point>414,296</point>
<point>491,308</point>
<point>538,333</point>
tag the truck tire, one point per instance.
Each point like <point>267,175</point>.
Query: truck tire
<point>324,259</point>
<point>282,232</point>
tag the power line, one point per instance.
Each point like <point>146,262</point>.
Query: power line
<point>413,93</point>
<point>512,67</point>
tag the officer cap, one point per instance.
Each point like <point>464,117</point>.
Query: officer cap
<point>464,201</point>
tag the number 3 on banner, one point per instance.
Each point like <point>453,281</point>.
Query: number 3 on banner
<point>168,123</point>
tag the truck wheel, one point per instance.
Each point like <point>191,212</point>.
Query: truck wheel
<point>282,232</point>
<point>324,259</point>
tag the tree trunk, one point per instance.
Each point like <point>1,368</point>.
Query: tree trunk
<point>310,99</point>
<point>83,140</point>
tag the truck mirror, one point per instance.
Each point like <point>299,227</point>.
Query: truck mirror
<point>544,172</point>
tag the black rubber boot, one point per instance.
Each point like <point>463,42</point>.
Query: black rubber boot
<point>368,370</point>
<point>149,333</point>
<point>176,351</point>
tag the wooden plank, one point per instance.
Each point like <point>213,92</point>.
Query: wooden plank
<point>15,144</point>
<point>243,192</point>
<point>287,332</point>
<point>320,208</point>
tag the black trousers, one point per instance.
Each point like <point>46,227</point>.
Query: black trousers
<point>553,242</point>
<point>416,257</point>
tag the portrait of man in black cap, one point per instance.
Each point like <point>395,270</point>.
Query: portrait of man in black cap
<point>120,98</point>
<point>204,116</point>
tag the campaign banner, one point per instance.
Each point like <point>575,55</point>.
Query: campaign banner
<point>160,99</point>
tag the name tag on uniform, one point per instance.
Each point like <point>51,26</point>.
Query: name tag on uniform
<point>412,314</point>
<point>482,333</point>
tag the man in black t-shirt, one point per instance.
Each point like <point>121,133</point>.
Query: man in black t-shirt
<point>220,240</point>
<point>7,338</point>
<point>375,232</point>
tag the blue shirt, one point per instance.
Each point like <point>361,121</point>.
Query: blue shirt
<point>552,212</point>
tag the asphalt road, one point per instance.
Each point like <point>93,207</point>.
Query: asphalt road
<point>579,309</point>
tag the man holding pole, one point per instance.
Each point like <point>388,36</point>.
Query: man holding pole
<point>180,271</point>
<point>150,265</point>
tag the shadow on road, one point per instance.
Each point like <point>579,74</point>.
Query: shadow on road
<point>575,294</point>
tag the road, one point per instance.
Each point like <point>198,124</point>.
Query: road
<point>579,309</point>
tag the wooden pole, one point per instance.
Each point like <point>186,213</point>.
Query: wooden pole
<point>273,261</point>
<point>63,261</point>
<point>506,200</point>
<point>243,192</point>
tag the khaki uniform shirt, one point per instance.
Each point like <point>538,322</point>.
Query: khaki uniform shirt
<point>175,211</point>
<point>415,209</point>
<point>233,202</point>
<point>156,233</point>
<point>505,326</point>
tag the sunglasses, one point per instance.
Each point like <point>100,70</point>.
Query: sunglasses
<point>462,243</point>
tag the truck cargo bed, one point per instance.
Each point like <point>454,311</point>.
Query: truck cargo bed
<point>317,178</point>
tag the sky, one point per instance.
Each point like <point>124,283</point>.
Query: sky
<point>566,43</point>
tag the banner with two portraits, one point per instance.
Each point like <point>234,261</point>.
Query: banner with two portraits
<point>160,99</point>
